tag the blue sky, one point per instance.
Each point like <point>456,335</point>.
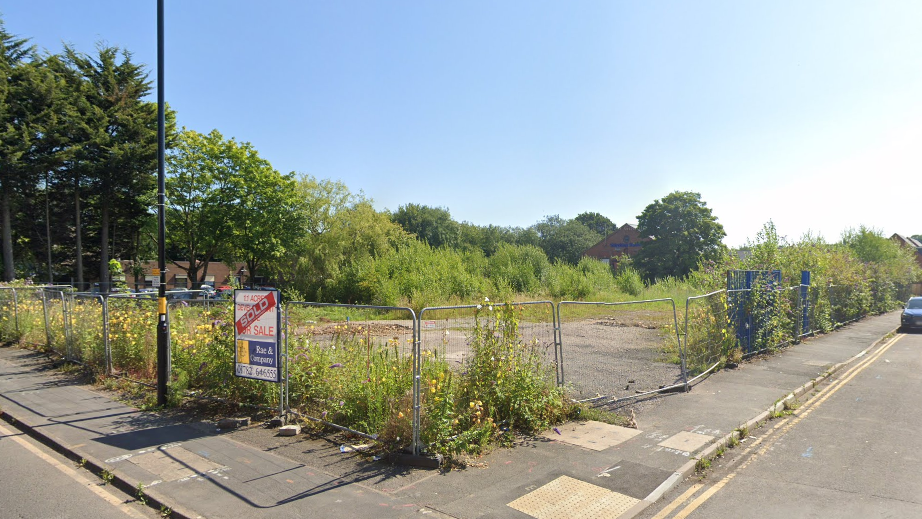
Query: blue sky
<point>808,114</point>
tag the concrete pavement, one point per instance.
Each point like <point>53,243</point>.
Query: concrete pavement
<point>579,470</point>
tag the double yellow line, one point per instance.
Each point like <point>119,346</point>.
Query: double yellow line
<point>768,439</point>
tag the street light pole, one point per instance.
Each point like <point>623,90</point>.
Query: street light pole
<point>163,317</point>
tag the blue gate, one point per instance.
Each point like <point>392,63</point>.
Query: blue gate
<point>739,302</point>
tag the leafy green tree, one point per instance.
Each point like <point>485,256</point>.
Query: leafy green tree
<point>120,152</point>
<point>52,152</point>
<point>340,229</point>
<point>202,187</point>
<point>433,225</point>
<point>267,214</point>
<point>684,233</point>
<point>565,240</point>
<point>65,156</point>
<point>597,223</point>
<point>17,131</point>
<point>870,245</point>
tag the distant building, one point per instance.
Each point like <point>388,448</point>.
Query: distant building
<point>905,241</point>
<point>218,274</point>
<point>626,241</point>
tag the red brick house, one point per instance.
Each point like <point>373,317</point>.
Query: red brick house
<point>906,241</point>
<point>218,274</point>
<point>624,241</point>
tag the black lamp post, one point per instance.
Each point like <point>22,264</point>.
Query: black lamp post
<point>163,316</point>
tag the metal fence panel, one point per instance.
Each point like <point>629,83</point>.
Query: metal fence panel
<point>9,314</point>
<point>709,337</point>
<point>354,367</point>
<point>132,337</point>
<point>619,350</point>
<point>57,330</point>
<point>202,353</point>
<point>447,332</point>
<point>88,332</point>
<point>30,315</point>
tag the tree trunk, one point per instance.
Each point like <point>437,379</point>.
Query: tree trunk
<point>48,229</point>
<point>192,273</point>
<point>205,263</point>
<point>79,233</point>
<point>8,271</point>
<point>104,248</point>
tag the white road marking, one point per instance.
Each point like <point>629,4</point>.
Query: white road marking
<point>93,486</point>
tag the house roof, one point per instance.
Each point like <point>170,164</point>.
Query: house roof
<point>908,240</point>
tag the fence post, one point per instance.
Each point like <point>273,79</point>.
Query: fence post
<point>67,306</point>
<point>284,406</point>
<point>683,348</point>
<point>558,346</point>
<point>417,374</point>
<point>805,303</point>
<point>107,347</point>
<point>284,379</point>
<point>558,364</point>
<point>45,315</point>
<point>16,311</point>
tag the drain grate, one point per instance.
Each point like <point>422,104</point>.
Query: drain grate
<point>569,498</point>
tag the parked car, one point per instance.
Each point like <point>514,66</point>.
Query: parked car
<point>912,315</point>
<point>146,293</point>
<point>179,293</point>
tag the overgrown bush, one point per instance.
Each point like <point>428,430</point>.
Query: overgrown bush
<point>628,280</point>
<point>505,386</point>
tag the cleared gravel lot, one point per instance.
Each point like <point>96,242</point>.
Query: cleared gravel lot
<point>610,351</point>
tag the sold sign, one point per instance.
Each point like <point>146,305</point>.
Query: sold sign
<point>255,312</point>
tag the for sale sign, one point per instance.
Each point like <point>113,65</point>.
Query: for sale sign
<point>257,320</point>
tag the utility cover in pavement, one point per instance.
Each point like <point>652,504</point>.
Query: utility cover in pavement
<point>569,498</point>
<point>592,435</point>
<point>174,463</point>
<point>686,441</point>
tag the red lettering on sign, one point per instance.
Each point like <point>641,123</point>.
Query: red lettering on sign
<point>255,312</point>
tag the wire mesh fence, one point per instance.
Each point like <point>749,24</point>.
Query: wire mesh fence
<point>353,367</point>
<point>202,352</point>
<point>132,338</point>
<point>381,370</point>
<point>9,314</point>
<point>448,332</point>
<point>30,317</point>
<point>617,350</point>
<point>88,335</point>
<point>709,338</point>
<point>57,324</point>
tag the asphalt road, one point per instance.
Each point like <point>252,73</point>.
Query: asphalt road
<point>852,451</point>
<point>37,483</point>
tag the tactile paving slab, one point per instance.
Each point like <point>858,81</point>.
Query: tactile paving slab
<point>569,498</point>
<point>591,435</point>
